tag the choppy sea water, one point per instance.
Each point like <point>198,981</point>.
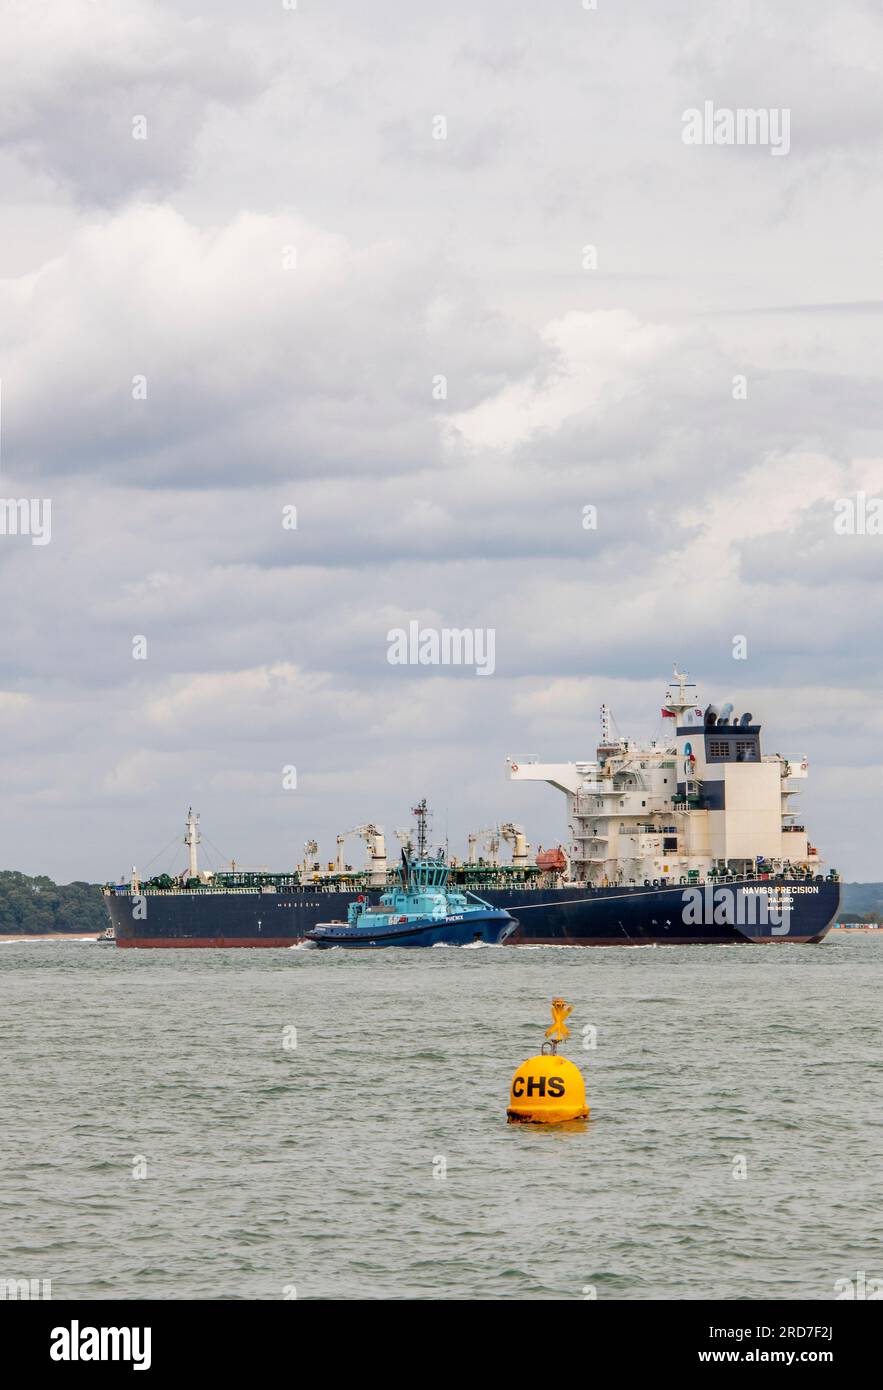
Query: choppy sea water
<point>271,1168</point>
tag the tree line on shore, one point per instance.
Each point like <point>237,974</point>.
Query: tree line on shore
<point>37,906</point>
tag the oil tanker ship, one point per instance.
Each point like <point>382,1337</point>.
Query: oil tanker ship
<point>690,838</point>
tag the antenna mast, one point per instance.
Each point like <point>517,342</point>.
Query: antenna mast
<point>191,840</point>
<point>605,726</point>
<point>422,814</point>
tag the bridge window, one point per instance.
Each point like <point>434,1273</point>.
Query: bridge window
<point>733,750</point>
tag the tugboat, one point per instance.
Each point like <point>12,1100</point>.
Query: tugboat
<point>107,938</point>
<point>419,911</point>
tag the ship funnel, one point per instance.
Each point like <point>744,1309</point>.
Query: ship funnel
<point>711,713</point>
<point>746,719</point>
<point>724,716</point>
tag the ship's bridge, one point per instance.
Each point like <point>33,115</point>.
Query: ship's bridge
<point>429,875</point>
<point>732,744</point>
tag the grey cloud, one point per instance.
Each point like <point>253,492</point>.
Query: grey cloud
<point>253,371</point>
<point>314,388</point>
<point>71,100</point>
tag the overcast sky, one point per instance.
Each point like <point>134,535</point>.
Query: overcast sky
<point>291,258</point>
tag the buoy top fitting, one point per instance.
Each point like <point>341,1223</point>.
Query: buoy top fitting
<point>558,1029</point>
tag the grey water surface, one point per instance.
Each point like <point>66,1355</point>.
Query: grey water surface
<point>328,1125</point>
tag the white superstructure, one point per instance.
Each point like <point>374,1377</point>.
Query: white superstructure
<point>704,800</point>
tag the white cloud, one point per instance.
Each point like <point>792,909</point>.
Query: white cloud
<point>268,692</point>
<point>593,359</point>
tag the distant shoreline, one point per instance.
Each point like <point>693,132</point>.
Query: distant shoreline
<point>50,936</point>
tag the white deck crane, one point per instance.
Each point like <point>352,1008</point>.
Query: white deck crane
<point>514,835</point>
<point>491,839</point>
<point>374,839</point>
<point>311,853</point>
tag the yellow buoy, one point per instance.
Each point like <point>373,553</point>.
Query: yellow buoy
<point>548,1089</point>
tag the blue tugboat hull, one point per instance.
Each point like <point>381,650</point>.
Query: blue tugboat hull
<point>490,928</point>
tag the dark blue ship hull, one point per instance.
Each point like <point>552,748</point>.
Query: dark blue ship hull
<point>750,910</point>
